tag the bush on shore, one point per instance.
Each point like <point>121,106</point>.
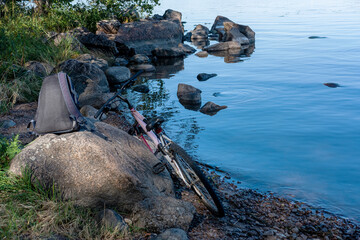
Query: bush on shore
<point>23,31</point>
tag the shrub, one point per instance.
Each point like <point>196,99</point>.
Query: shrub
<point>8,150</point>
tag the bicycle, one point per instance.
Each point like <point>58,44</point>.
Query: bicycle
<point>176,157</point>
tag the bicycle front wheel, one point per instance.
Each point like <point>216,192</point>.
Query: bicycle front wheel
<point>202,186</point>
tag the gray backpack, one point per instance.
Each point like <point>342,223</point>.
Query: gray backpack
<point>57,110</point>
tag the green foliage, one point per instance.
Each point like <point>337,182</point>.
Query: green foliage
<point>8,150</point>
<point>24,39</point>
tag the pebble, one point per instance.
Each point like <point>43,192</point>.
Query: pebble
<point>7,124</point>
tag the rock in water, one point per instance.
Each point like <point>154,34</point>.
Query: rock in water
<point>218,25</point>
<point>222,46</point>
<point>211,108</point>
<point>332,85</point>
<point>200,32</point>
<point>144,67</point>
<point>205,76</point>
<point>189,94</point>
<point>139,59</point>
<point>117,172</point>
<point>237,32</point>
<point>202,54</point>
<point>316,37</point>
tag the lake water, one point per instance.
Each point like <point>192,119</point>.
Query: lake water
<point>283,130</point>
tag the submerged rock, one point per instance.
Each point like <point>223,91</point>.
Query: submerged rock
<point>144,67</point>
<point>211,108</point>
<point>222,46</point>
<point>332,85</point>
<point>202,54</point>
<point>205,76</point>
<point>316,37</point>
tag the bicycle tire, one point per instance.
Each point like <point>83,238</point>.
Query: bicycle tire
<point>204,189</point>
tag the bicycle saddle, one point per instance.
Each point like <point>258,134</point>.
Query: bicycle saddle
<point>154,123</point>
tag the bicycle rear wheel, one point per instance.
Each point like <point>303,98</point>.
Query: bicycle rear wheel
<point>202,186</point>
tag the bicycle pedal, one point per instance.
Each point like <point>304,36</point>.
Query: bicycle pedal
<point>158,168</point>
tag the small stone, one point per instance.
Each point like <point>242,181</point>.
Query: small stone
<point>316,37</point>
<point>7,124</point>
<point>205,76</point>
<point>112,219</point>
<point>121,62</point>
<point>202,54</point>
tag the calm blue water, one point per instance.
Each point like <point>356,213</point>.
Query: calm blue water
<point>283,130</point>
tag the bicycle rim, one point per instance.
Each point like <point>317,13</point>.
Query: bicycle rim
<point>197,180</point>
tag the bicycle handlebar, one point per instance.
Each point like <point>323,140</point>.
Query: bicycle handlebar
<point>97,114</point>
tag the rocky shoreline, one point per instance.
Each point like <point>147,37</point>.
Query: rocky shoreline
<point>249,214</point>
<point>149,45</point>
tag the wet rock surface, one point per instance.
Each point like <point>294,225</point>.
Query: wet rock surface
<point>211,108</point>
<point>205,76</point>
<point>222,46</point>
<point>332,85</point>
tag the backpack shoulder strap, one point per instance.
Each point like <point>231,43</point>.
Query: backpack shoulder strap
<point>69,101</point>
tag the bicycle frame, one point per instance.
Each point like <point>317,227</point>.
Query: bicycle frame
<point>159,143</point>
